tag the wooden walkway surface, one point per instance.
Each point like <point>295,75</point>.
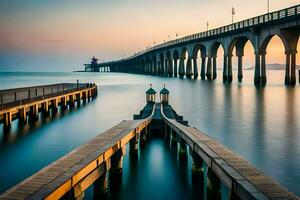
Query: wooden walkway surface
<point>238,174</point>
<point>58,178</point>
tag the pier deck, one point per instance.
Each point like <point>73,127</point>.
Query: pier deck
<point>239,175</point>
<point>29,101</point>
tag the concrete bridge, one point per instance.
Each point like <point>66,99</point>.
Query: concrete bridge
<point>90,164</point>
<point>179,57</point>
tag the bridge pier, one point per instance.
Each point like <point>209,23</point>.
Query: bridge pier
<point>181,67</point>
<point>209,68</point>
<point>213,185</point>
<point>263,77</point>
<point>257,69</point>
<point>225,68</point>
<point>175,67</point>
<point>170,67</point>
<point>189,68</point>
<point>229,69</point>
<point>195,68</point>
<point>214,67</point>
<point>202,74</point>
<point>240,68</point>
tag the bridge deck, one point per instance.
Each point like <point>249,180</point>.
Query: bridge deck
<point>55,180</point>
<point>238,174</point>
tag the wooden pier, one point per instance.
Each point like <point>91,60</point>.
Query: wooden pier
<point>22,102</point>
<point>72,174</point>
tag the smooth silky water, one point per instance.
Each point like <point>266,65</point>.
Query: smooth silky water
<point>260,124</point>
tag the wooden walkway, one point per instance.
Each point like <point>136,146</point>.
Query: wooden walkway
<point>69,172</point>
<point>238,174</point>
<point>21,102</point>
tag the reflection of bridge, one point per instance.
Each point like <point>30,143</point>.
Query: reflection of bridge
<point>179,57</point>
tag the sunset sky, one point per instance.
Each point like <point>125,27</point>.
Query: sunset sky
<point>62,35</point>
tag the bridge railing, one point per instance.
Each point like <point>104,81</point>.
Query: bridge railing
<point>20,96</point>
<point>252,22</point>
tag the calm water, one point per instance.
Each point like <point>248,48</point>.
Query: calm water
<point>262,125</point>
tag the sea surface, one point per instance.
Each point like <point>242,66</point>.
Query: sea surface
<point>260,124</point>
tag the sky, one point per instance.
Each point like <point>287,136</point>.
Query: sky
<point>47,35</point>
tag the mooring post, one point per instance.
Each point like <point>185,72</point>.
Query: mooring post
<point>7,120</point>
<point>213,185</point>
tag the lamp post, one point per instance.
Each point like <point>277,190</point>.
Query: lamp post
<point>233,13</point>
<point>207,24</point>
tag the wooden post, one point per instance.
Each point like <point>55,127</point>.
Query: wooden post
<point>46,107</point>
<point>15,96</point>
<point>182,150</point>
<point>101,184</point>
<point>7,120</point>
<point>213,185</point>
<point>28,94</point>
<point>36,92</point>
<point>23,116</point>
<point>134,146</point>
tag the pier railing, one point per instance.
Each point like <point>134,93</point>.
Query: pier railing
<point>19,96</point>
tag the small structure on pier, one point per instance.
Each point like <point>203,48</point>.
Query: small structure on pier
<point>164,95</point>
<point>150,95</point>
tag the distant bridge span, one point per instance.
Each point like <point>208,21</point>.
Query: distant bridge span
<point>169,59</point>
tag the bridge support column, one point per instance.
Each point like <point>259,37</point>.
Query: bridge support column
<point>78,98</point>
<point>173,138</point>
<point>181,67</point>
<point>209,68</point>
<point>189,68</point>
<point>63,103</point>
<point>202,74</point>
<point>214,67</point>
<point>182,150</point>
<point>195,68</point>
<point>263,77</point>
<point>293,67</point>
<point>197,168</point>
<point>175,67</point>
<point>134,145</point>
<point>213,185</point>
<point>229,69</point>
<point>170,67</point>
<point>240,68</point>
<point>72,100</point>
<point>257,69</point>
<point>225,68</point>
<point>287,68</point>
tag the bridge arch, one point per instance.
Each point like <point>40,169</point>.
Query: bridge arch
<point>199,57</point>
<point>212,54</point>
<point>263,56</point>
<point>237,44</point>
